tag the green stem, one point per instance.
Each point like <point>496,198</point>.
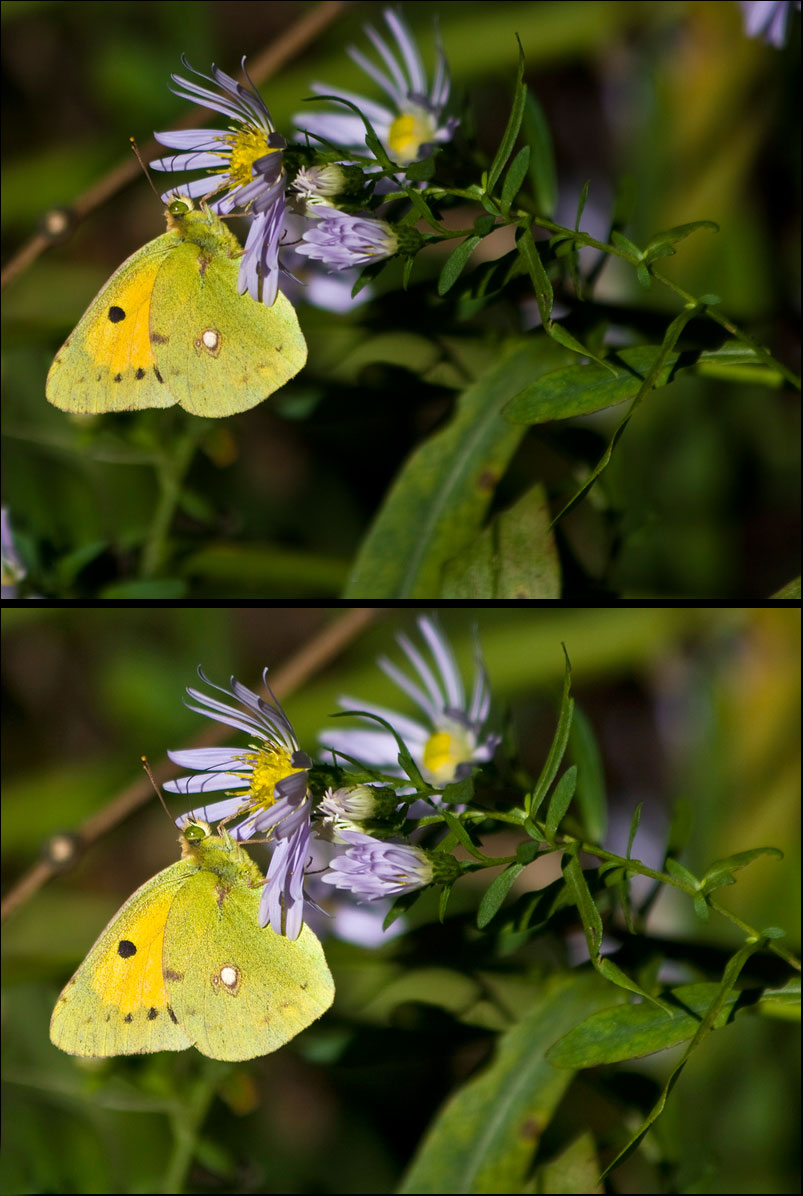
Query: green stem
<point>171,470</point>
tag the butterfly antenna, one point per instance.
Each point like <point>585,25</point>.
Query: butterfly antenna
<point>144,166</point>
<point>156,788</point>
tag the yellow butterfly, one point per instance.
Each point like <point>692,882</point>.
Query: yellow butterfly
<point>169,327</point>
<point>186,963</point>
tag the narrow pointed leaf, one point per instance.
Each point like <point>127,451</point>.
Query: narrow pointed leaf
<point>628,1031</point>
<point>543,174</point>
<point>516,174</point>
<point>455,263</point>
<point>494,896</point>
<point>512,130</point>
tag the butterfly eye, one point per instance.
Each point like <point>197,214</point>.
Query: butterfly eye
<point>194,832</point>
<point>179,207</point>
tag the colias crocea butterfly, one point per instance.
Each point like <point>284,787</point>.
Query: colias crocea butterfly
<point>169,327</point>
<point>185,963</point>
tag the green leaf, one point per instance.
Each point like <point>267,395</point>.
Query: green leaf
<point>720,871</point>
<point>458,830</point>
<point>634,821</point>
<point>560,800</point>
<point>455,263</point>
<point>540,279</point>
<point>574,1169</point>
<point>512,130</point>
<point>459,792</point>
<point>558,745</point>
<point>706,1023</point>
<point>436,505</point>
<point>513,558</point>
<point>626,245</point>
<point>528,851</point>
<point>670,340</point>
<point>633,1031</point>
<point>591,798</point>
<point>586,907</point>
<point>484,225</point>
<point>661,244</point>
<point>782,1002</point>
<point>443,901</point>
<point>421,171</point>
<point>515,177</point>
<point>484,1137</point>
<point>543,174</point>
<point>581,389</point>
<point>676,869</point>
<point>644,277</point>
<point>559,334</point>
<point>611,971</point>
<point>400,906</point>
<point>495,894</point>
<point>791,590</point>
<point>581,203</point>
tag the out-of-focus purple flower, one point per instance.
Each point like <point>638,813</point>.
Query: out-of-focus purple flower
<point>454,736</point>
<point>411,123</point>
<point>767,18</point>
<point>13,567</point>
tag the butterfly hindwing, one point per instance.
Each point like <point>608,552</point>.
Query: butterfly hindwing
<point>220,352</point>
<point>117,1003</point>
<point>107,363</point>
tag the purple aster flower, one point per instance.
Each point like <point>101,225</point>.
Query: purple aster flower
<point>453,736</point>
<point>12,564</point>
<point>373,868</point>
<point>266,791</point>
<point>414,119</point>
<point>282,901</point>
<point>767,19</point>
<point>341,241</point>
<point>243,161</point>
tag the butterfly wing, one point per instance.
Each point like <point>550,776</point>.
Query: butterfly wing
<point>107,363</point>
<point>219,352</point>
<point>237,990</point>
<point>117,1002</point>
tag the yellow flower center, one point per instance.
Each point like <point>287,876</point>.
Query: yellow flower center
<point>247,145</point>
<point>409,131</point>
<point>268,765</point>
<point>443,751</point>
